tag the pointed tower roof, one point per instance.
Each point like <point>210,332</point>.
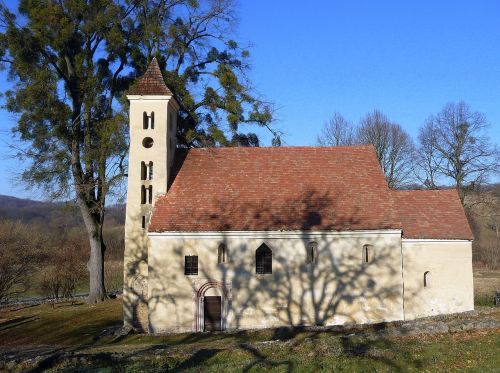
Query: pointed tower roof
<point>151,83</point>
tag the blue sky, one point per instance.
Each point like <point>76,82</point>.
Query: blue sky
<point>406,58</point>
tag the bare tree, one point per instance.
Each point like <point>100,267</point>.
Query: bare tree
<point>426,161</point>
<point>337,131</point>
<point>459,147</point>
<point>393,145</point>
<point>20,254</point>
<point>483,210</point>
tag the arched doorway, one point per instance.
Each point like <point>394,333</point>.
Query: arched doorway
<point>211,306</point>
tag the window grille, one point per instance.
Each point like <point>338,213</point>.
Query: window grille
<point>191,265</point>
<point>263,260</point>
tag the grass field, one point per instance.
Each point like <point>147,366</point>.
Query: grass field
<point>67,337</point>
<point>486,282</point>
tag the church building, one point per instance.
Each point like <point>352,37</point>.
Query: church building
<point>243,238</point>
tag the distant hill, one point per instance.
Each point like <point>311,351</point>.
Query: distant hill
<point>56,214</point>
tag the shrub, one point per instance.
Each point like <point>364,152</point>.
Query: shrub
<point>484,300</point>
<point>21,250</point>
<point>61,277</point>
<point>113,275</point>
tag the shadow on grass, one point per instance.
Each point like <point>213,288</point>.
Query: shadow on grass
<point>285,349</point>
<point>262,360</point>
<point>19,307</point>
<point>79,362</point>
<point>15,322</point>
<point>297,347</point>
<point>198,358</point>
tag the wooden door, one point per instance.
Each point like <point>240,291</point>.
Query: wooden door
<point>212,314</point>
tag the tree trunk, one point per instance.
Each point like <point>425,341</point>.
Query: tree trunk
<point>90,206</point>
<point>95,265</point>
<point>461,193</point>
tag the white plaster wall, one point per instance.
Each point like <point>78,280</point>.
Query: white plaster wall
<point>450,288</point>
<point>337,289</point>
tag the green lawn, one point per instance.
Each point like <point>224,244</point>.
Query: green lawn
<point>68,337</point>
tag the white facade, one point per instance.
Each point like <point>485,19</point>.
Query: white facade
<point>438,277</point>
<point>340,288</point>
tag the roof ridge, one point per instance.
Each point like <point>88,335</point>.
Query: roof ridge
<point>451,189</point>
<point>297,147</point>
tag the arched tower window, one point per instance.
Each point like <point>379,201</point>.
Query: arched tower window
<point>427,279</point>
<point>143,170</point>
<point>263,260</point>
<point>150,194</point>
<point>150,176</point>
<point>312,252</point>
<point>367,254</point>
<point>221,254</point>
<point>148,121</point>
<point>143,194</point>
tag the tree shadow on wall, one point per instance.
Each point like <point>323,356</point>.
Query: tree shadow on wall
<point>340,286</point>
<point>135,290</point>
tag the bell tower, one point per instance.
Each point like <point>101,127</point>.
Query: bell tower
<point>153,124</point>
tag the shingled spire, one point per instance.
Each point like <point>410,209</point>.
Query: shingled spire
<point>151,83</point>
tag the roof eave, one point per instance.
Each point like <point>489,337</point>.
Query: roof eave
<point>170,98</point>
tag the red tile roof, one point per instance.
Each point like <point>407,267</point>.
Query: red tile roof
<point>271,189</point>
<point>151,83</point>
<point>432,214</point>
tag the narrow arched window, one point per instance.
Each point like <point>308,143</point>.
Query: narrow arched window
<point>427,279</point>
<point>143,222</point>
<point>143,171</point>
<point>312,252</point>
<point>152,120</point>
<point>367,254</point>
<point>221,254</point>
<point>143,194</point>
<point>150,170</point>
<point>150,194</point>
<point>263,260</point>
<point>145,121</point>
